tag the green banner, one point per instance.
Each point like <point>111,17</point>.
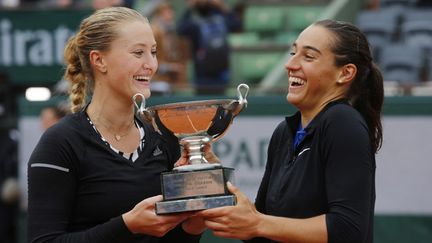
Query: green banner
<point>32,43</point>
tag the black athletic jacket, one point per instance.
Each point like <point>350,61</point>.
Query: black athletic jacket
<point>79,187</point>
<point>331,172</point>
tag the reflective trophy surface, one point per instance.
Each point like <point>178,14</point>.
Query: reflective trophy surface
<point>200,184</point>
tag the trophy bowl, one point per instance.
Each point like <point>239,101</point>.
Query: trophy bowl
<point>200,184</point>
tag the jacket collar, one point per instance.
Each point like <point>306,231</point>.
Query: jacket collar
<point>294,119</point>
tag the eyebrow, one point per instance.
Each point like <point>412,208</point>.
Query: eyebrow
<point>145,45</point>
<point>309,48</point>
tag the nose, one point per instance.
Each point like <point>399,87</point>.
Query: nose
<point>151,66</point>
<point>292,64</point>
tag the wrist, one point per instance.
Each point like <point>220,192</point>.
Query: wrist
<point>128,221</point>
<point>260,228</point>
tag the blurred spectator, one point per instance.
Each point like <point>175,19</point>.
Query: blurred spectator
<point>9,188</point>
<point>424,3</point>
<point>63,4</point>
<point>172,50</point>
<point>372,4</point>
<point>236,17</point>
<point>9,4</point>
<point>48,4</point>
<point>51,115</point>
<point>206,23</point>
<point>128,3</point>
<point>99,4</point>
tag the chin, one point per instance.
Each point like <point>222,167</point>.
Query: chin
<point>146,93</point>
<point>292,99</point>
<point>289,98</point>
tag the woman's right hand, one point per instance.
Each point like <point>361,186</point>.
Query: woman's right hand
<point>143,218</point>
<point>241,221</point>
<point>208,155</point>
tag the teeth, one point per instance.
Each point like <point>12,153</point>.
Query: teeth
<point>296,80</point>
<point>142,78</point>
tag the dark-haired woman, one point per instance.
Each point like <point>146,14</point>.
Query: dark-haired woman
<point>319,182</point>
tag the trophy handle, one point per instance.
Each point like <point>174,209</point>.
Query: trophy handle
<point>236,106</point>
<point>242,97</point>
<point>139,101</point>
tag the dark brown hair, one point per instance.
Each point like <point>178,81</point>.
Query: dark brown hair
<point>366,92</point>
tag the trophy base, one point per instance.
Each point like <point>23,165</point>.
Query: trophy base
<point>194,204</point>
<point>192,190</point>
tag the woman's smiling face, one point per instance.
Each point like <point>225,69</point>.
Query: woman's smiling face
<point>131,61</point>
<point>311,69</point>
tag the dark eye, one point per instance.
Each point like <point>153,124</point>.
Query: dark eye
<point>292,53</point>
<point>309,57</point>
<point>138,53</point>
<point>154,52</point>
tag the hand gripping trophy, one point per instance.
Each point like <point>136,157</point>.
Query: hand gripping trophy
<point>200,184</point>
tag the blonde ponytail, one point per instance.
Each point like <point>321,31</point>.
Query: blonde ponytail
<point>75,75</point>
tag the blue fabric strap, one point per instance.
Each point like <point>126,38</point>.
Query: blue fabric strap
<point>300,134</point>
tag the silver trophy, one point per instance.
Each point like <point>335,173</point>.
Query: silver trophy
<point>200,184</point>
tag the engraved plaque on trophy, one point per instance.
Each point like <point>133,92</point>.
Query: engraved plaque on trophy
<point>200,184</point>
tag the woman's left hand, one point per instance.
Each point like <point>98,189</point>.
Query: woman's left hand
<point>209,155</point>
<point>183,159</point>
<point>240,221</point>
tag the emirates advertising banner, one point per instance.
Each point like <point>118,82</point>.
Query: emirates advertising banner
<point>32,43</point>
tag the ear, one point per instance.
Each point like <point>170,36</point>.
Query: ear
<point>97,61</point>
<point>347,74</point>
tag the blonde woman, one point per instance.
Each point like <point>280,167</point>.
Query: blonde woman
<point>94,176</point>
